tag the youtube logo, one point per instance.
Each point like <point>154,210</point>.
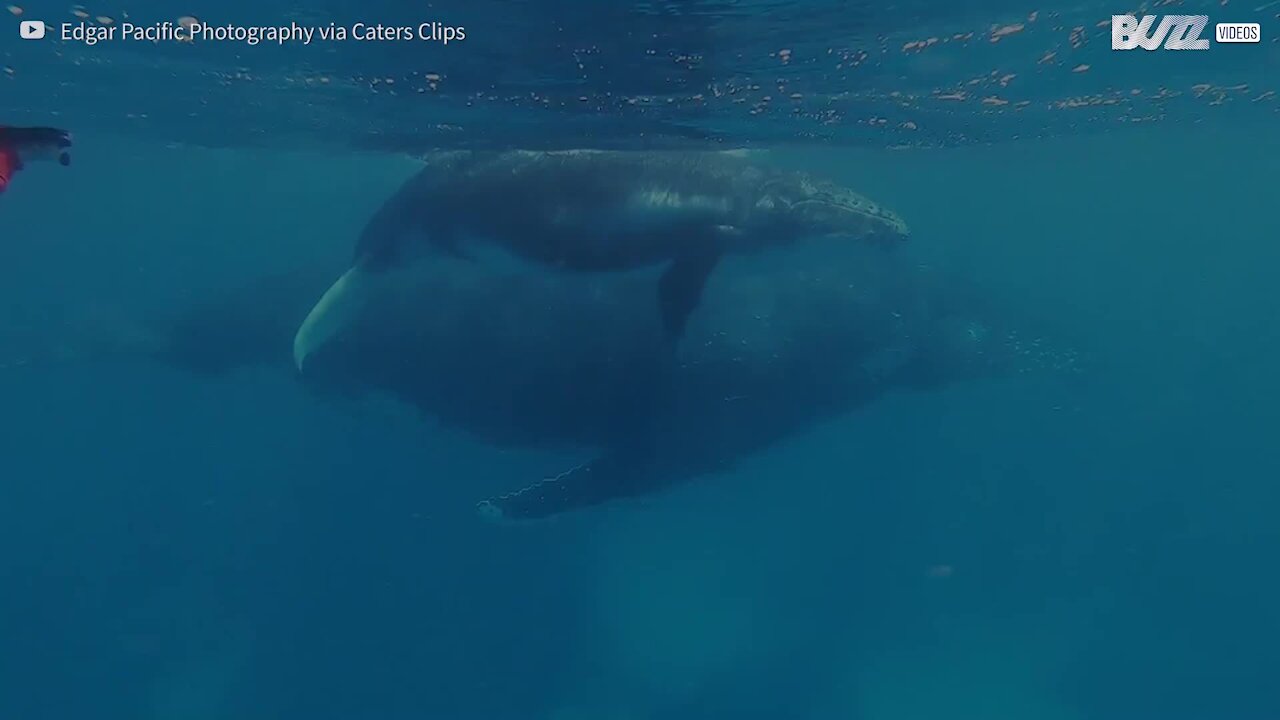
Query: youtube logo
<point>31,29</point>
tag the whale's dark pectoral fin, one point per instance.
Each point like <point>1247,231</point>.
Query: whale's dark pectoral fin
<point>612,476</point>
<point>680,288</point>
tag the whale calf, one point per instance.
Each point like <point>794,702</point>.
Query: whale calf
<point>596,211</point>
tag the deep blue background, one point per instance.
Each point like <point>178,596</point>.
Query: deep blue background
<point>188,548</point>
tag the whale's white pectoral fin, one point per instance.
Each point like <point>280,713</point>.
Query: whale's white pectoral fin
<point>337,309</point>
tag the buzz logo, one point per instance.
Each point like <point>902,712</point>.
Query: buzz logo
<point>1176,32</point>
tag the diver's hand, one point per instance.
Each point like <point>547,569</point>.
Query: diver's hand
<point>30,144</point>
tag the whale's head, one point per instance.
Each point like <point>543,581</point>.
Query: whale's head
<point>819,208</point>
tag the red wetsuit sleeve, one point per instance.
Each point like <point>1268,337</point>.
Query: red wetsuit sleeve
<point>8,166</point>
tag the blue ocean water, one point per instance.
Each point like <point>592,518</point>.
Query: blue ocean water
<point>1069,542</point>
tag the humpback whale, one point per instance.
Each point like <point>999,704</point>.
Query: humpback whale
<point>522,358</point>
<point>595,211</point>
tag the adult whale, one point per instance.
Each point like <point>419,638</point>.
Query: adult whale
<point>515,357</point>
<point>596,211</point>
